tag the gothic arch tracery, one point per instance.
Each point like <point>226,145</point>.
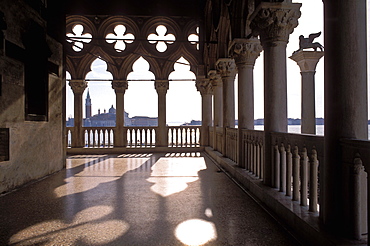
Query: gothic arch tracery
<point>136,45</point>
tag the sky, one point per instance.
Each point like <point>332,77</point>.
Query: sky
<point>184,101</point>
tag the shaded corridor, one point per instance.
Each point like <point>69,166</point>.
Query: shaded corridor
<point>146,199</point>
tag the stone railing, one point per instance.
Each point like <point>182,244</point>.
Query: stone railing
<point>137,137</point>
<point>69,134</point>
<point>231,144</point>
<point>295,167</point>
<point>211,136</point>
<point>140,137</point>
<point>184,136</point>
<point>356,157</point>
<point>98,137</point>
<point>219,139</point>
<point>252,155</point>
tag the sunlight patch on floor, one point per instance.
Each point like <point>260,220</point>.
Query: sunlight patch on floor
<point>88,226</point>
<point>95,171</point>
<point>172,175</point>
<point>196,232</point>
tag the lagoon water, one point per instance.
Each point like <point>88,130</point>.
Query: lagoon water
<point>297,129</point>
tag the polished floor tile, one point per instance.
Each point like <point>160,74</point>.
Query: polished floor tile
<point>146,199</point>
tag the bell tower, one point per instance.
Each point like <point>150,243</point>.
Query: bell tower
<point>88,105</point>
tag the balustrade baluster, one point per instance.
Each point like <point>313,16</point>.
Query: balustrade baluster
<point>288,171</point>
<point>282,168</point>
<point>304,183</point>
<point>258,160</point>
<point>262,162</point>
<point>313,181</point>
<point>296,169</point>
<point>276,166</point>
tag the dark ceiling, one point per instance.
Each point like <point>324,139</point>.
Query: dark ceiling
<point>190,8</point>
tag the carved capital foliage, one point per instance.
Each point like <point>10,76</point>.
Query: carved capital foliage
<point>78,86</point>
<point>161,86</point>
<point>120,86</point>
<point>214,78</point>
<point>204,86</point>
<point>275,22</point>
<point>245,51</point>
<point>226,67</point>
<point>356,166</point>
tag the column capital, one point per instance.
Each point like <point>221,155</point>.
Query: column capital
<point>161,86</point>
<point>204,86</point>
<point>119,86</point>
<point>245,51</point>
<point>307,60</point>
<point>214,78</point>
<point>226,67</point>
<point>274,22</point>
<point>78,85</point>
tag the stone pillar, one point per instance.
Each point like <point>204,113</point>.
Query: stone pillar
<point>78,88</point>
<point>274,22</point>
<point>346,115</point>
<point>245,53</point>
<point>204,86</point>
<point>216,82</point>
<point>120,135</point>
<point>227,69</point>
<point>162,134</point>
<point>307,61</point>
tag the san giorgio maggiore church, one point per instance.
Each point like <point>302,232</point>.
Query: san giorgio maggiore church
<point>108,119</point>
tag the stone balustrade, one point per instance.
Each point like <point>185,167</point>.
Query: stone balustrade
<point>231,141</point>
<point>356,158</point>
<point>252,148</point>
<point>295,166</point>
<point>140,137</point>
<point>184,136</point>
<point>219,135</point>
<point>137,137</point>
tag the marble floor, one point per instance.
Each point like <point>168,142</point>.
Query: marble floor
<point>146,199</point>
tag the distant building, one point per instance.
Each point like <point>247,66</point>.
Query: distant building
<point>88,105</point>
<point>193,123</point>
<point>109,119</point>
<point>144,121</point>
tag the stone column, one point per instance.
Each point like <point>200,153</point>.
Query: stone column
<point>227,69</point>
<point>274,22</point>
<point>78,88</point>
<point>307,61</point>
<point>120,135</point>
<point>161,134</point>
<point>204,86</point>
<point>216,82</point>
<point>245,53</point>
<point>345,111</point>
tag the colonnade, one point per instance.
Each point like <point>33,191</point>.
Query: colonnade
<point>119,86</point>
<point>345,97</point>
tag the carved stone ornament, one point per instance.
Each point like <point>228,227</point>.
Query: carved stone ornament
<point>245,51</point>
<point>161,86</point>
<point>119,86</point>
<point>78,86</point>
<point>275,22</point>
<point>204,86</point>
<point>226,67</point>
<point>214,78</point>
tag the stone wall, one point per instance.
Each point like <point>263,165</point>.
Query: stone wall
<point>35,144</point>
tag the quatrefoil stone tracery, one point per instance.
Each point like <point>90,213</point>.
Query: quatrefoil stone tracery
<point>120,38</point>
<point>78,37</point>
<point>194,38</point>
<point>161,38</point>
